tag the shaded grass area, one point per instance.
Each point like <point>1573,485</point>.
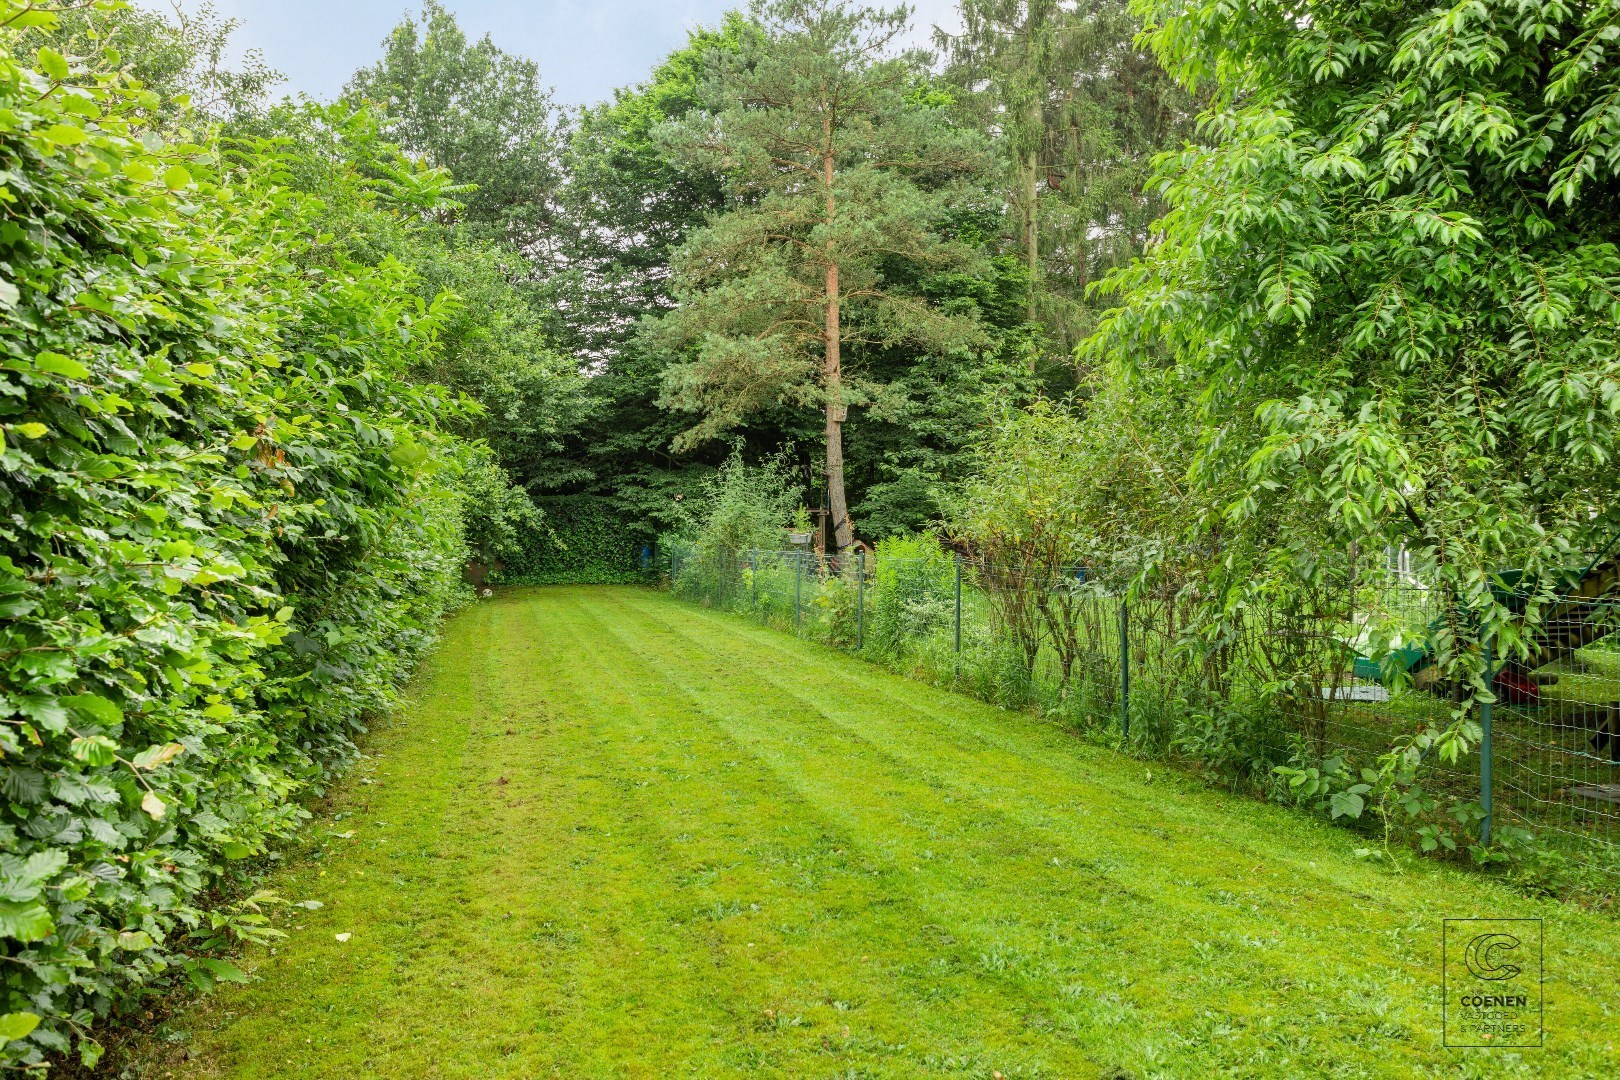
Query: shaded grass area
<point>619,836</point>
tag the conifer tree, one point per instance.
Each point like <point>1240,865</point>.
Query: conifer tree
<point>839,158</point>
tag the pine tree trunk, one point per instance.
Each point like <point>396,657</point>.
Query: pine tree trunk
<point>1030,162</point>
<point>832,377</point>
<point>833,383</point>
<point>1029,194</point>
<point>1032,239</point>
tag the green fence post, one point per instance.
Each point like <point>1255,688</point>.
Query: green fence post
<point>860,599</point>
<point>1485,751</point>
<point>1124,669</point>
<point>798,589</point>
<point>958,669</point>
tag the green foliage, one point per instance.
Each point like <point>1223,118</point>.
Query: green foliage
<point>910,451</point>
<point>497,517</point>
<point>494,345</point>
<point>626,206</point>
<point>629,203</point>
<point>1024,504</point>
<point>1081,110</point>
<point>474,110</point>
<point>226,531</point>
<point>1381,317</point>
<point>747,507</point>
<point>741,510</point>
<point>578,541</point>
<point>1023,514</point>
<point>1389,281</point>
<point>831,612</point>
<point>1097,480</point>
<point>913,592</point>
<point>753,285</point>
<point>183,57</point>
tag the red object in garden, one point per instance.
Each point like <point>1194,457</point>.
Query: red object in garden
<point>1515,689</point>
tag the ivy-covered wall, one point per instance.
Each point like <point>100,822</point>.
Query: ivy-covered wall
<point>581,542</point>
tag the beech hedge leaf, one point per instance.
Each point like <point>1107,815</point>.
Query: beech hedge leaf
<point>231,527</point>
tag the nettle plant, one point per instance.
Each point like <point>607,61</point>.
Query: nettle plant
<point>746,507</point>
<point>223,534</point>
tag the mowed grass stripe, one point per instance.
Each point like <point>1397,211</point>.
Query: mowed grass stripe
<point>1030,911</point>
<point>1032,748</point>
<point>1048,792</point>
<point>614,835</point>
<point>331,984</point>
<point>493,956</point>
<point>832,939</point>
<point>1055,763</point>
<point>1324,902</point>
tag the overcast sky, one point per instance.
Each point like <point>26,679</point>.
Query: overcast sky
<point>585,48</point>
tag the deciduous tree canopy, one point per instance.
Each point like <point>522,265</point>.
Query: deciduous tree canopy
<point>1389,280</point>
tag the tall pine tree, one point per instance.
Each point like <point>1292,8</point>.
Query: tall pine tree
<point>839,161</point>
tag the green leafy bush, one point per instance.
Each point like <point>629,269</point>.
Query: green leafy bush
<point>913,592</point>
<point>498,516</point>
<point>741,508</point>
<point>1386,289</point>
<point>834,607</point>
<point>747,507</point>
<point>227,531</point>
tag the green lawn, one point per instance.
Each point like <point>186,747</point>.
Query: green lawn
<point>616,835</point>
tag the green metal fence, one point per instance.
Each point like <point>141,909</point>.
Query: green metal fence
<point>1282,689</point>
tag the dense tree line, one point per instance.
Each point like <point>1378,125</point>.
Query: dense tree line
<point>677,273</point>
<point>664,305</point>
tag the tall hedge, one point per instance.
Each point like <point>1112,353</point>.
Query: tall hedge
<point>579,541</point>
<point>223,533</point>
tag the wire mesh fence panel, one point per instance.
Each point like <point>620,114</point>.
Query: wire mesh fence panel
<point>1337,682</point>
<point>1556,727</point>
